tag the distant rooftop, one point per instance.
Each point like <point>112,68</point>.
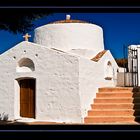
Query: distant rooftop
<point>98,56</point>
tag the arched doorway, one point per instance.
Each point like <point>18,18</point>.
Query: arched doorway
<point>27,98</point>
<point>108,71</point>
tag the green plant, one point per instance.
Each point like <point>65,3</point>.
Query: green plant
<point>4,117</point>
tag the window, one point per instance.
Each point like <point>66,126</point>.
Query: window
<point>25,65</point>
<point>108,71</point>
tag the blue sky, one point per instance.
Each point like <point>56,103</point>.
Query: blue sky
<point>119,29</point>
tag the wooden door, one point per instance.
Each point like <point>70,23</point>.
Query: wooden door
<point>27,98</point>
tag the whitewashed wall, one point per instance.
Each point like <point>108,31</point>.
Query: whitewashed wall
<point>57,85</point>
<point>138,65</point>
<point>67,36</point>
<point>91,77</point>
<point>130,58</point>
<point>128,79</point>
<point>134,64</point>
<point>84,53</point>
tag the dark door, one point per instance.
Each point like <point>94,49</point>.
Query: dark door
<point>27,98</point>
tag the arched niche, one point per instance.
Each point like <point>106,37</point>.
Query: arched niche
<point>108,70</point>
<point>25,65</point>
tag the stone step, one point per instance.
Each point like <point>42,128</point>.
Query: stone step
<point>116,100</point>
<point>116,89</point>
<point>113,112</point>
<point>111,119</point>
<point>115,94</point>
<point>114,123</point>
<point>119,105</point>
<point>115,106</point>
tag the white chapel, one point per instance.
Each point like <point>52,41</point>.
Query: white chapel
<point>56,77</point>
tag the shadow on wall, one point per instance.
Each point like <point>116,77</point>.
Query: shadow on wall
<point>136,102</point>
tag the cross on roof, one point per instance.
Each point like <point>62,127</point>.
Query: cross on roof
<point>26,36</point>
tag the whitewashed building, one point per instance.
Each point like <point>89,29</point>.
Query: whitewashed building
<point>56,77</point>
<point>130,75</point>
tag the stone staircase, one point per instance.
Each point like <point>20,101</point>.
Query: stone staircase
<point>115,106</point>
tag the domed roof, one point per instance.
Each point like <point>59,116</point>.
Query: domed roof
<point>68,34</point>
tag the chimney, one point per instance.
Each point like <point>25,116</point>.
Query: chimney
<point>67,17</point>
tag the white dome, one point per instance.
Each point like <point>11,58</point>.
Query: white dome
<point>73,35</point>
